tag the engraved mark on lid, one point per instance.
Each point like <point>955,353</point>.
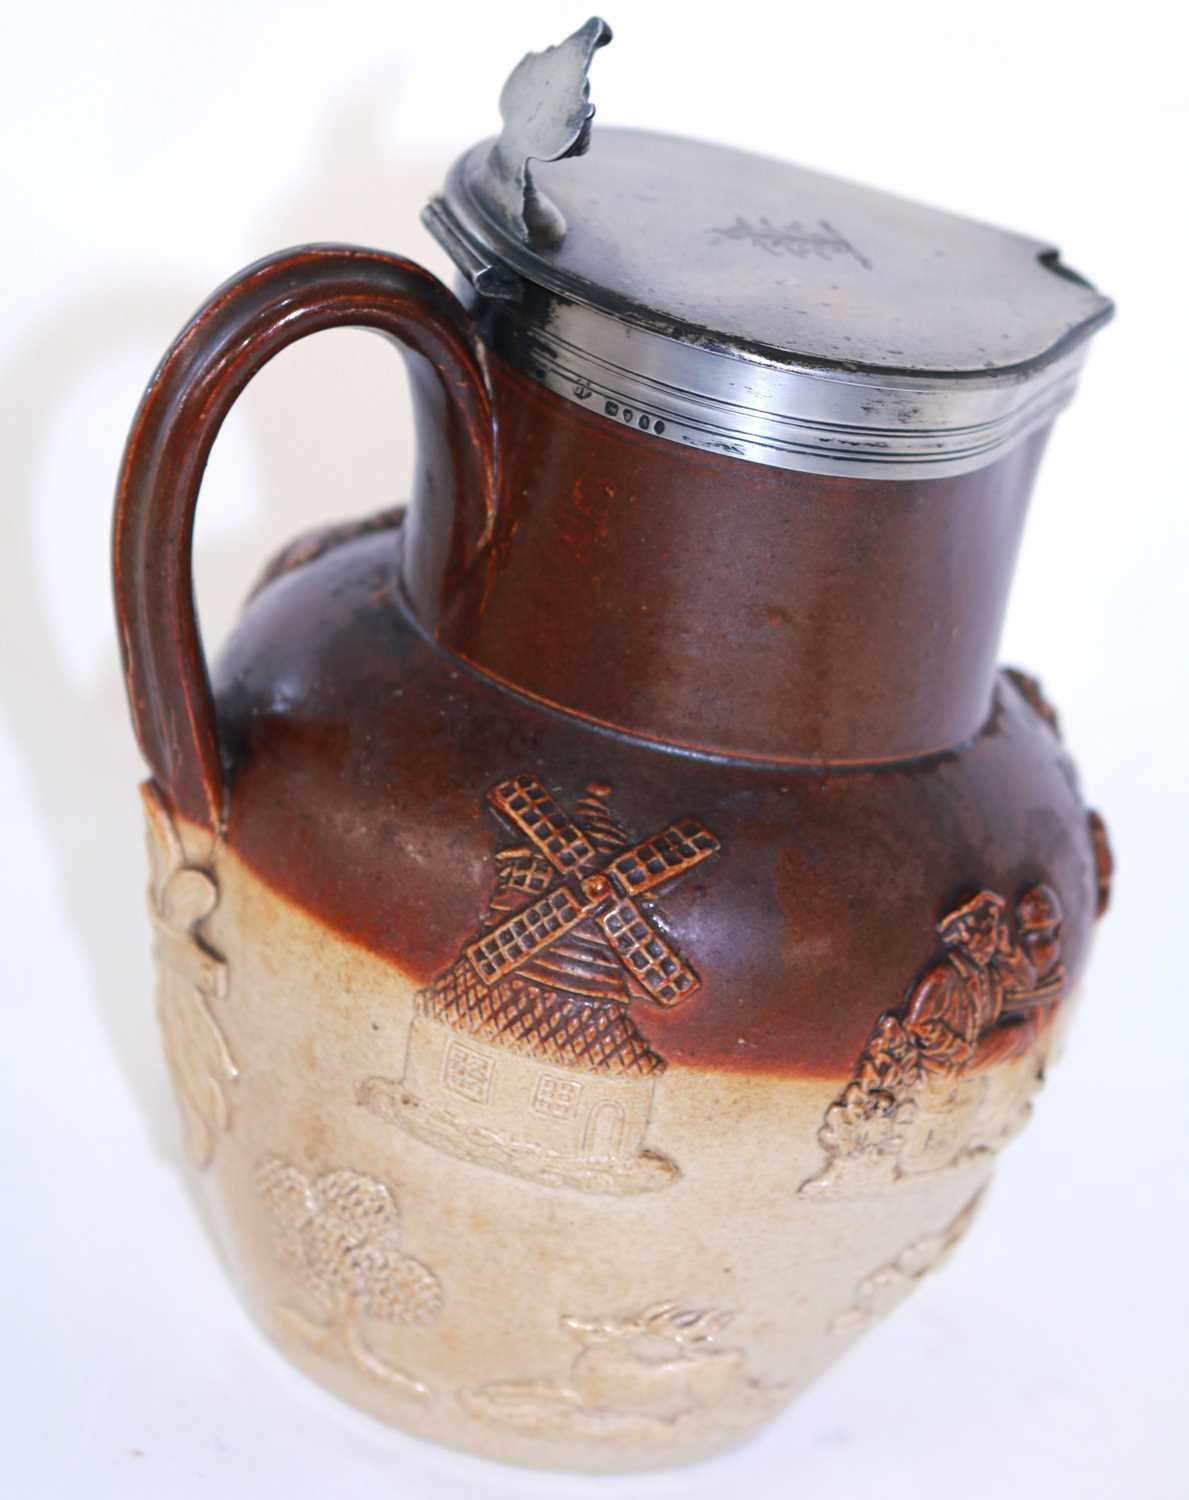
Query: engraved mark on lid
<point>795,238</point>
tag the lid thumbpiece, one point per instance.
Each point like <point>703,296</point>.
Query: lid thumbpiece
<point>546,109</point>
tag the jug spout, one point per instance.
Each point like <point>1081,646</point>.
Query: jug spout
<point>728,607</point>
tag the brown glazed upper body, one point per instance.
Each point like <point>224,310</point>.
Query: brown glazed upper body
<point>803,663</point>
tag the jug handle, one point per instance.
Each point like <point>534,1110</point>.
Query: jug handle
<point>248,320</point>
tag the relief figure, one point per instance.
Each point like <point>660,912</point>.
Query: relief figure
<point>637,1378</point>
<point>925,1091</point>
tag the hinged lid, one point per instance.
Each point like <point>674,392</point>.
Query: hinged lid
<point>748,305</point>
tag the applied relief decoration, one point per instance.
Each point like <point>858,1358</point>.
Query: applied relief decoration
<point>953,1072</point>
<point>651,1376</point>
<point>337,1235</point>
<point>524,1054</point>
<point>191,983</point>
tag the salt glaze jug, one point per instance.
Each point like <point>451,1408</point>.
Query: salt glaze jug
<point>611,914</point>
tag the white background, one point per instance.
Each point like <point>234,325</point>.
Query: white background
<point>149,150</point>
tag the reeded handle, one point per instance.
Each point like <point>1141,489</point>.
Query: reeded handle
<point>249,319</point>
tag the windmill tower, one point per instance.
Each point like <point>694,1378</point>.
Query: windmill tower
<point>524,1054</point>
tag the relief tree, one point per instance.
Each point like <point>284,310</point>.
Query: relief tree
<point>337,1236</point>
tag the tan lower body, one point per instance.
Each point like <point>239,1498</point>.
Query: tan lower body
<point>542,1267</point>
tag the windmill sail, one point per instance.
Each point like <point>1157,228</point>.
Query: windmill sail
<point>663,857</point>
<point>503,949</point>
<point>645,954</point>
<point>526,804</point>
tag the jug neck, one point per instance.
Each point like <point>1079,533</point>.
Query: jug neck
<point>723,606</point>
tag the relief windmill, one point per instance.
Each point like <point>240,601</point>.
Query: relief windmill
<point>524,1054</point>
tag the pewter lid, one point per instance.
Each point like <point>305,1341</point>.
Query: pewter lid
<point>739,303</point>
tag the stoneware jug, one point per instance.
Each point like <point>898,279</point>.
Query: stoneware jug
<point>611,914</point>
